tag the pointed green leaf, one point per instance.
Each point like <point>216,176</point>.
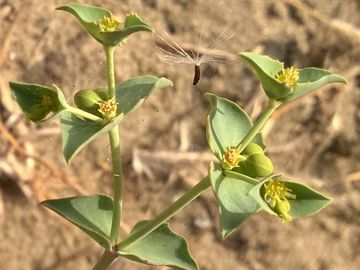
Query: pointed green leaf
<point>307,202</point>
<point>266,68</point>
<point>92,214</point>
<point>129,95</point>
<point>77,133</point>
<point>160,247</point>
<point>90,18</point>
<point>311,79</point>
<point>227,125</point>
<point>235,205</point>
<point>133,92</point>
<point>35,100</point>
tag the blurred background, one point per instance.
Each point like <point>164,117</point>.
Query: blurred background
<point>315,139</point>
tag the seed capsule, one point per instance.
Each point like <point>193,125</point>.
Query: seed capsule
<point>88,100</point>
<point>256,165</point>
<point>252,148</point>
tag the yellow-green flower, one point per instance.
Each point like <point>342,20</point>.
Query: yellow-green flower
<point>288,76</point>
<point>109,24</point>
<point>277,195</point>
<point>231,158</point>
<point>108,108</point>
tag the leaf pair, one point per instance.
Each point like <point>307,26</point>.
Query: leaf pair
<point>267,70</point>
<point>93,215</point>
<point>92,18</point>
<point>77,133</point>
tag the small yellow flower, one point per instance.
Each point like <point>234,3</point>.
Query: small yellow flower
<point>276,196</point>
<point>231,158</point>
<point>108,108</point>
<point>288,76</point>
<point>109,24</point>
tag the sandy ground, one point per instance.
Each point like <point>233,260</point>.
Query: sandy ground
<point>315,140</point>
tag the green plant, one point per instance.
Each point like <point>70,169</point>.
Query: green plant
<point>242,179</point>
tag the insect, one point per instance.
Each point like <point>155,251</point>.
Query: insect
<point>172,53</point>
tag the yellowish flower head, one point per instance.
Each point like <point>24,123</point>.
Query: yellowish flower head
<point>288,76</point>
<point>108,108</point>
<point>276,196</point>
<point>109,24</point>
<point>231,158</point>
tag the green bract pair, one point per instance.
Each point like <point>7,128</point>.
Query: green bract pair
<point>243,179</point>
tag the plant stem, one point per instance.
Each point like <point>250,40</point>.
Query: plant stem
<point>106,259</point>
<point>114,138</point>
<point>117,188</point>
<point>183,201</point>
<point>83,114</point>
<point>259,124</point>
<point>110,69</point>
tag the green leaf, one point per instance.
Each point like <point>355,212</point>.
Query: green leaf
<point>311,79</point>
<point>227,124</point>
<point>133,92</point>
<point>35,100</point>
<point>90,17</point>
<point>77,133</point>
<point>160,247</point>
<point>129,95</point>
<point>266,68</point>
<point>92,214</point>
<point>308,201</point>
<point>235,205</point>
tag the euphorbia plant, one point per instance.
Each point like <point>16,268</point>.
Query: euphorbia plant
<point>243,178</point>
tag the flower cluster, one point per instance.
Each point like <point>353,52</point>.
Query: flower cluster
<point>108,108</point>
<point>109,24</point>
<point>231,158</point>
<point>288,76</point>
<point>277,195</point>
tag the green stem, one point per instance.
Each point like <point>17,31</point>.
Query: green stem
<point>84,114</point>
<point>183,201</point>
<point>259,124</point>
<point>117,193</point>
<point>114,138</point>
<point>106,259</point>
<point>110,69</point>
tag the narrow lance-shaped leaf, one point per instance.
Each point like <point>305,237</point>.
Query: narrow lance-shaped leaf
<point>160,247</point>
<point>235,205</point>
<point>92,214</point>
<point>227,125</point>
<point>37,101</point>
<point>103,26</point>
